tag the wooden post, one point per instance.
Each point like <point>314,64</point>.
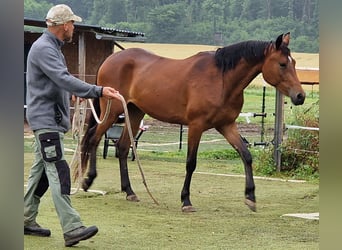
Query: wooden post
<point>79,115</point>
<point>81,106</point>
<point>278,128</point>
<point>81,56</point>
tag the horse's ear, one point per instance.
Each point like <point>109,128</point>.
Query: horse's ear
<point>286,38</point>
<point>279,41</point>
<point>283,39</point>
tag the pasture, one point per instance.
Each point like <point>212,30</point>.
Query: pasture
<point>222,220</point>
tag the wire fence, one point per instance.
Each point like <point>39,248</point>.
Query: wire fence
<point>255,123</point>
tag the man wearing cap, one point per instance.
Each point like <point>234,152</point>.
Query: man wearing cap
<point>49,89</point>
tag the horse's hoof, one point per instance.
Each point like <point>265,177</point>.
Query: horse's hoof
<point>188,209</point>
<point>251,205</point>
<point>85,186</point>
<point>132,197</point>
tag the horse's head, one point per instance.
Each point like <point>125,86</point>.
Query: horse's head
<point>279,70</point>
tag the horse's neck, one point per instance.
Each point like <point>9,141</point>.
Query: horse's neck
<point>239,78</point>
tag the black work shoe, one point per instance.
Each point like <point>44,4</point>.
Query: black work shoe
<point>37,230</point>
<point>82,233</point>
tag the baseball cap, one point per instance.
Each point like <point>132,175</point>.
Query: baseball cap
<point>60,14</point>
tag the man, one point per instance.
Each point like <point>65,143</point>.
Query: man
<point>49,89</point>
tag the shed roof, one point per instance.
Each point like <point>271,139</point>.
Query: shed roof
<point>100,32</point>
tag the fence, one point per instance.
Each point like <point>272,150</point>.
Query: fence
<point>257,127</point>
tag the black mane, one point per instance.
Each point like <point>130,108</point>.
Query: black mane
<point>227,58</point>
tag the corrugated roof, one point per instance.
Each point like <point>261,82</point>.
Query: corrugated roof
<point>101,32</point>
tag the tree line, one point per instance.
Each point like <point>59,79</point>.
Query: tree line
<point>211,22</point>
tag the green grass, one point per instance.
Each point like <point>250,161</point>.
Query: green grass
<point>222,221</point>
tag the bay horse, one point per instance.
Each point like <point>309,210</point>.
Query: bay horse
<point>203,91</point>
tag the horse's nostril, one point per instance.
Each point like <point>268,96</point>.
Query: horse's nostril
<point>299,96</point>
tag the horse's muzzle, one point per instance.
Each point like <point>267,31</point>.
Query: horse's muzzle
<point>298,99</point>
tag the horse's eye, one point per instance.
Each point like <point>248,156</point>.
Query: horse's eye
<point>282,65</point>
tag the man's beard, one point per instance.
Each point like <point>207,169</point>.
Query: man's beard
<point>68,39</point>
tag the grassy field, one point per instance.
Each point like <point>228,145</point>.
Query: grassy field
<point>222,221</point>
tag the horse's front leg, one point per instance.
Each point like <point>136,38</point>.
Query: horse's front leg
<point>194,136</point>
<point>232,135</point>
<point>123,147</point>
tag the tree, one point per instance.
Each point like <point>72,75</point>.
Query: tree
<point>215,11</point>
<point>33,9</point>
<point>197,21</point>
<point>165,21</point>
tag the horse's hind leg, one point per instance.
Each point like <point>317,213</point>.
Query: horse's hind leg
<point>92,172</point>
<point>194,136</point>
<point>123,147</point>
<point>232,135</point>
<point>93,142</point>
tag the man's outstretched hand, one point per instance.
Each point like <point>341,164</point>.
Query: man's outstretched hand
<point>110,93</point>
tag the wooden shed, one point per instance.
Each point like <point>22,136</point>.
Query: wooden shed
<point>91,45</point>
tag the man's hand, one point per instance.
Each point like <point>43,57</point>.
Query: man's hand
<point>110,93</point>
<point>74,98</point>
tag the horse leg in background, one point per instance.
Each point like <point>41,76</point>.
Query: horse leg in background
<point>93,143</point>
<point>232,135</point>
<point>194,136</point>
<point>123,147</point>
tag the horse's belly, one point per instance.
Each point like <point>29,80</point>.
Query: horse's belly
<point>163,111</point>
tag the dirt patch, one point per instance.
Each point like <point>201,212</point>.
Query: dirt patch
<point>243,128</point>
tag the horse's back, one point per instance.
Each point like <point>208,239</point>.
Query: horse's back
<point>145,59</point>
<point>151,81</point>
<point>138,66</point>
<point>119,68</point>
<point>131,55</point>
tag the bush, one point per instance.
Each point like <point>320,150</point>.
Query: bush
<point>264,162</point>
<point>299,150</point>
<point>302,146</point>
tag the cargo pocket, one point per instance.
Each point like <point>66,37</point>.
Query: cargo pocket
<point>43,185</point>
<point>63,171</point>
<point>50,146</point>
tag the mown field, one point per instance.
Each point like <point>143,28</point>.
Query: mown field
<point>222,221</point>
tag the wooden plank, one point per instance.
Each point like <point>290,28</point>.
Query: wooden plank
<point>308,75</point>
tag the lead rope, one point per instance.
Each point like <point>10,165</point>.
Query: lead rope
<point>78,121</point>
<point>77,155</point>
<point>77,131</point>
<point>128,124</point>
